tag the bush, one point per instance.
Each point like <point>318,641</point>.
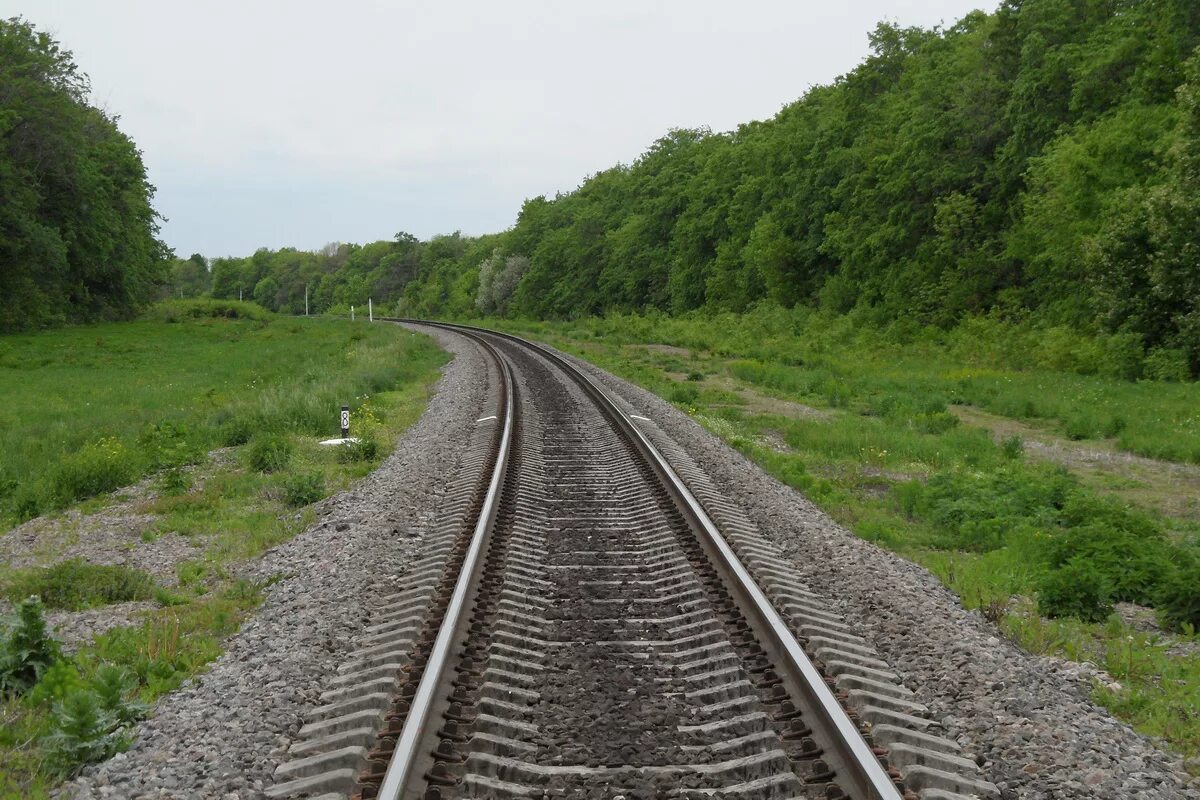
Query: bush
<point>1081,426</point>
<point>84,732</point>
<point>26,650</point>
<point>204,307</point>
<point>684,395</point>
<point>364,448</point>
<point>300,490</point>
<point>1012,447</point>
<point>1077,589</point>
<point>269,452</point>
<point>169,444</point>
<point>1167,364</point>
<point>236,429</point>
<point>1179,597</point>
<point>98,467</point>
<point>75,585</point>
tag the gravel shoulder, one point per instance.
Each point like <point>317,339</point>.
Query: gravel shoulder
<point>223,734</point>
<point>1029,718</point>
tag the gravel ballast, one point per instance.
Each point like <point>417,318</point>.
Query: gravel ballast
<point>1029,718</point>
<point>223,735</point>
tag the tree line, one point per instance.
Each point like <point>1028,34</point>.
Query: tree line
<point>78,235</point>
<point>1041,161</point>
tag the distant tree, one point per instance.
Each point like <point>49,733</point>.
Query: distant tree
<point>266,293</point>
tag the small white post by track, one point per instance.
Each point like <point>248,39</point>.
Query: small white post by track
<point>344,422</point>
<point>370,310</point>
<point>352,313</point>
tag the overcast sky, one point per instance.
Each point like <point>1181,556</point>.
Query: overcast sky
<point>299,123</point>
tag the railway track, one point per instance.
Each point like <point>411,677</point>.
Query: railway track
<point>592,620</point>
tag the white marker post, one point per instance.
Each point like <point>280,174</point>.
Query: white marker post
<point>370,310</point>
<point>352,313</point>
<point>345,422</point>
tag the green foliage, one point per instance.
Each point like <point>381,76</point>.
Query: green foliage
<point>75,584</point>
<point>361,448</point>
<point>92,722</point>
<point>84,732</point>
<point>269,452</point>
<point>304,488</point>
<point>27,649</point>
<point>1077,590</point>
<point>683,394</point>
<point>1012,446</point>
<point>115,687</point>
<point>98,467</point>
<point>207,307</point>
<point>1179,597</point>
<point>79,237</point>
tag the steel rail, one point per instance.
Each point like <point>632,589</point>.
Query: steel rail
<point>406,758</point>
<point>866,777</point>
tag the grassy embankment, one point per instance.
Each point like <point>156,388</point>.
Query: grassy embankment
<point>88,410</point>
<point>984,455</point>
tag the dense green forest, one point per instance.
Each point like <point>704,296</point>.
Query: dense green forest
<point>78,236</point>
<point>1041,162</point>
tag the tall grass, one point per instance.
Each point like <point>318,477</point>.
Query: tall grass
<point>1090,386</point>
<point>87,410</point>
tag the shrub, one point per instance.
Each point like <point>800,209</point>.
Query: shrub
<point>83,732</point>
<point>27,649</point>
<point>1081,426</point>
<point>75,584</point>
<point>1077,589</point>
<point>300,490</point>
<point>364,448</point>
<point>1167,364</point>
<point>56,683</point>
<point>1012,447</point>
<point>114,686</point>
<point>200,308</point>
<point>684,395</point>
<point>935,423</point>
<point>269,452</point>
<point>169,444</point>
<point>1179,597</point>
<point>695,376</point>
<point>175,480</point>
<point>98,467</point>
<point>236,430</point>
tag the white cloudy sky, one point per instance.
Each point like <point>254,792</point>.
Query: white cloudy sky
<point>299,123</point>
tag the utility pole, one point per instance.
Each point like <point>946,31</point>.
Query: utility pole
<point>306,299</point>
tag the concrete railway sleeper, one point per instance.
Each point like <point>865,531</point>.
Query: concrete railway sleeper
<point>593,620</point>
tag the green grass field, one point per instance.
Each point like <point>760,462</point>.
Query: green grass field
<point>876,427</point>
<point>89,410</point>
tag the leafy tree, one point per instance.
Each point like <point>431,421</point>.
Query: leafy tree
<point>78,236</point>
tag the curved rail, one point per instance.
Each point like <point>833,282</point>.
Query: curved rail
<point>860,771</point>
<point>405,758</point>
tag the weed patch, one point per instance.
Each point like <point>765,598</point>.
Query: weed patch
<point>75,585</point>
